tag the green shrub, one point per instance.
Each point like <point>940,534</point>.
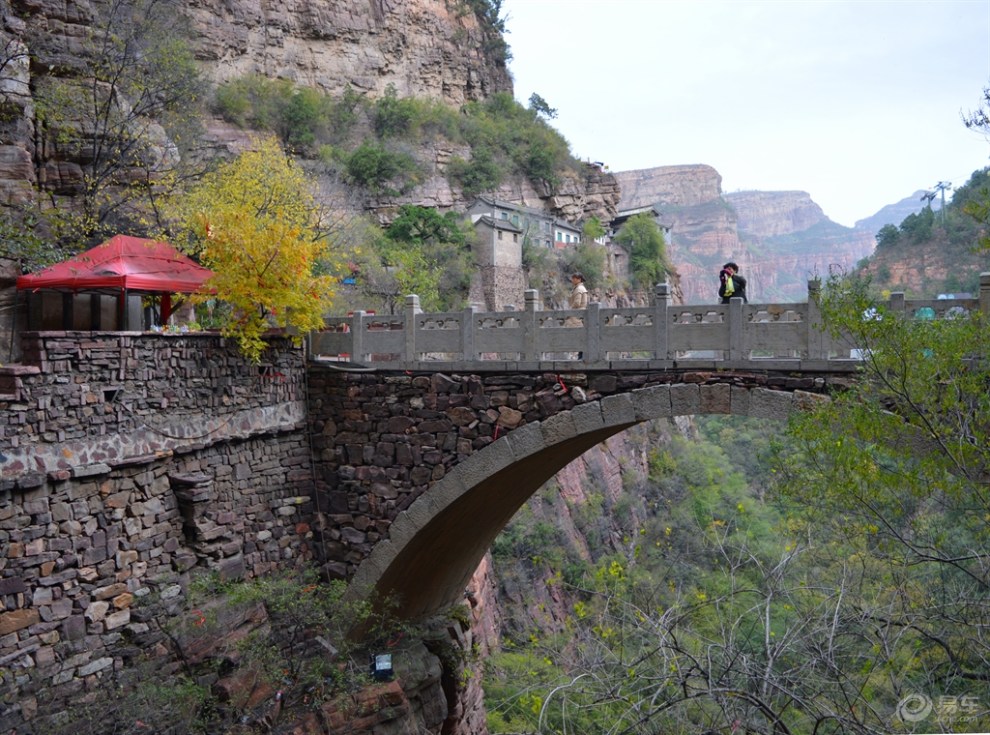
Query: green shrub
<point>393,116</point>
<point>439,119</point>
<point>303,118</point>
<point>410,118</point>
<point>380,170</point>
<point>517,136</point>
<point>478,175</point>
<point>343,115</point>
<point>253,101</point>
<point>232,102</point>
<point>588,258</point>
<point>503,135</point>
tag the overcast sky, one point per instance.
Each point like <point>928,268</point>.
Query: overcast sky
<point>858,103</point>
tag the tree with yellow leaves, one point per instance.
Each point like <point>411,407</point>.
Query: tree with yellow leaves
<point>255,222</point>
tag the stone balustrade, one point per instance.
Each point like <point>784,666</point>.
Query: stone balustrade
<point>656,337</point>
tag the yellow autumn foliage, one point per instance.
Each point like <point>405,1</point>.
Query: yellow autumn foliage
<point>255,222</point>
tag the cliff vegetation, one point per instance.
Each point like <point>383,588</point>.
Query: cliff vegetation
<point>935,252</point>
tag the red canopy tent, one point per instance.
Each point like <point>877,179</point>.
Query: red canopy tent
<point>123,264</point>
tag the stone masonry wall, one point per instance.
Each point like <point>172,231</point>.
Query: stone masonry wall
<point>126,462</point>
<point>379,441</point>
<point>108,397</point>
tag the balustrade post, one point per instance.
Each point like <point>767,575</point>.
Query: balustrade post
<point>661,325</point>
<point>530,328</point>
<point>736,327</point>
<point>985,294</point>
<point>357,336</point>
<point>468,328</point>
<point>593,333</point>
<point>409,327</point>
<point>815,332</point>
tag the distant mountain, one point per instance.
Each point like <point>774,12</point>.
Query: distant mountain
<point>780,239</point>
<point>931,252</point>
<point>894,214</point>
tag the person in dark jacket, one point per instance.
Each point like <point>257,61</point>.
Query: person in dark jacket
<point>738,291</point>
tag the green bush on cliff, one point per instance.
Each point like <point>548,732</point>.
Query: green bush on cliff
<point>479,174</point>
<point>301,117</point>
<point>412,118</point>
<point>504,137</point>
<point>381,170</point>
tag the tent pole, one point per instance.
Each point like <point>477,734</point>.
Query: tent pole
<point>68,316</point>
<point>94,311</point>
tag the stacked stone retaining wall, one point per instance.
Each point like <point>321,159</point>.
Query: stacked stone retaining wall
<point>126,462</point>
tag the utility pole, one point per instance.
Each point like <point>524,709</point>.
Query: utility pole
<point>941,186</point>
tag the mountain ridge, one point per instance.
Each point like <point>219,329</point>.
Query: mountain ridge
<point>780,239</point>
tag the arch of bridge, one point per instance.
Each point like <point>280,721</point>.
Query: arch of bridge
<point>434,546</point>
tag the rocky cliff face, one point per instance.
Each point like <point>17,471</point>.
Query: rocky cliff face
<point>578,504</point>
<point>435,49</point>
<point>428,48</point>
<point>423,48</point>
<point>795,241</point>
<point>779,239</point>
<point>676,186</point>
<point>584,193</point>
<point>772,213</point>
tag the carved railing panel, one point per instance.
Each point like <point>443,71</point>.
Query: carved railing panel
<point>663,335</point>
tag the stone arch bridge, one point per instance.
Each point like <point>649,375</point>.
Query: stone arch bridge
<point>432,430</point>
<point>420,472</point>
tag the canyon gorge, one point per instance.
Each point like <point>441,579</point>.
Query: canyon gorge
<point>440,50</point>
